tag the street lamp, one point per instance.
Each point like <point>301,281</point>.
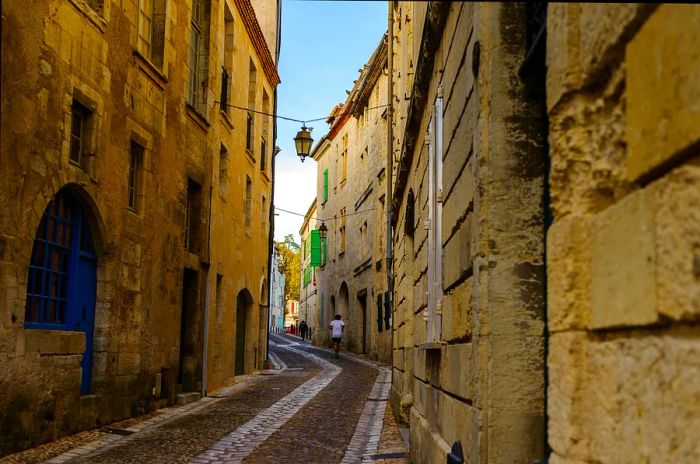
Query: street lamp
<point>323,231</point>
<point>303,142</point>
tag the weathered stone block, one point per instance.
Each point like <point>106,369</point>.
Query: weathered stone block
<point>54,341</point>
<point>457,312</point>
<point>457,254</point>
<point>676,200</point>
<point>623,264</point>
<point>516,372</point>
<point>128,363</point>
<point>456,422</point>
<point>455,370</point>
<point>565,403</point>
<point>663,113</point>
<point>563,43</point>
<point>568,274</point>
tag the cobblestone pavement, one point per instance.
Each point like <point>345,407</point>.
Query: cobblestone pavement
<point>313,409</point>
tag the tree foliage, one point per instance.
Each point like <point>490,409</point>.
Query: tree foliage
<point>289,265</point>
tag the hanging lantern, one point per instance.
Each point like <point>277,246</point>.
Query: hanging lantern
<point>303,142</point>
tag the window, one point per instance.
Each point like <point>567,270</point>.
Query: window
<point>144,27</point>
<point>249,133</point>
<point>223,172</point>
<point>219,298</point>
<point>97,6</point>
<point>134,178</point>
<point>81,122</point>
<point>252,98</point>
<point>223,104</point>
<point>325,185</point>
<point>263,149</point>
<point>193,216</point>
<point>315,260</point>
<point>341,232</point>
<point>198,60</point>
<point>344,159</point>
<point>248,200</point>
<point>263,212</point>
<point>61,244</point>
<point>227,68</point>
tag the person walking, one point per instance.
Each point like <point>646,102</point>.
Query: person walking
<point>337,327</point>
<point>303,330</point>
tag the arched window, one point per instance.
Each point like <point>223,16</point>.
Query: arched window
<point>62,275</point>
<point>61,240</point>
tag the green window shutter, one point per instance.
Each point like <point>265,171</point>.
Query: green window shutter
<point>315,248</point>
<point>325,185</point>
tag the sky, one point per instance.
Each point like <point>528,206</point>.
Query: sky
<point>324,44</point>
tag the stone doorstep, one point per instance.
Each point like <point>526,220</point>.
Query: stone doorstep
<point>187,398</point>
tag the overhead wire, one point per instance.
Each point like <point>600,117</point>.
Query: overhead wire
<point>286,118</point>
<point>320,219</point>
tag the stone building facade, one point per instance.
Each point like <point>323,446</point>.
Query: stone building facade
<point>623,252</point>
<point>127,192</point>
<point>351,161</point>
<point>546,231</point>
<point>469,344</point>
<point>308,285</point>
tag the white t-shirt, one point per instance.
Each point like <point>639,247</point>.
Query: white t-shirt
<point>337,328</point>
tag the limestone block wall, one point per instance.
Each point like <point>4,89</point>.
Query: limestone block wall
<point>361,266</point>
<point>59,51</point>
<point>623,249</point>
<point>483,382</point>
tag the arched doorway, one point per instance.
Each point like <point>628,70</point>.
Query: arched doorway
<point>62,281</point>
<point>243,302</point>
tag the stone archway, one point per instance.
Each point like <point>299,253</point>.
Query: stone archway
<point>63,271</point>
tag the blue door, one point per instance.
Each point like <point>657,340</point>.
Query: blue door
<point>62,276</point>
<point>84,312</point>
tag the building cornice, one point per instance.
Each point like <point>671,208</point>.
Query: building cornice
<point>435,20</point>
<point>247,12</point>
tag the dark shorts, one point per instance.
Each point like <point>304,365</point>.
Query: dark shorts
<point>336,339</point>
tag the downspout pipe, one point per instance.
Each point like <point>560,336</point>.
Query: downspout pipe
<point>388,299</point>
<point>207,292</point>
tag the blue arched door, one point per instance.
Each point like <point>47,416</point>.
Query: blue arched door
<point>62,276</point>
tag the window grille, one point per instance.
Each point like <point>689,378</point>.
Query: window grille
<point>145,27</point>
<point>62,236</point>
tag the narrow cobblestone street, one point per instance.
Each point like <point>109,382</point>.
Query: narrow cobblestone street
<point>310,408</point>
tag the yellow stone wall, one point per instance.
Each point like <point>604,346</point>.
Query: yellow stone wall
<point>482,383</point>
<point>361,266</point>
<point>59,50</point>
<point>622,266</point>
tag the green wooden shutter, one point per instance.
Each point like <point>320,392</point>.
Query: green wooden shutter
<point>325,185</point>
<point>315,248</point>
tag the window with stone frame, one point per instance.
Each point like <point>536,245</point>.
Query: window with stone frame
<point>248,206</point>
<point>81,134</point>
<point>223,172</point>
<point>344,160</point>
<point>341,233</point>
<point>227,68</point>
<point>265,131</point>
<point>198,56</point>
<point>135,176</point>
<point>193,217</point>
<point>252,98</point>
<point>150,30</point>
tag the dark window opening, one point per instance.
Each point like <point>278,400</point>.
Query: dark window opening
<point>193,218</point>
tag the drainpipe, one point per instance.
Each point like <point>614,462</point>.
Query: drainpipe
<point>389,164</point>
<point>206,303</point>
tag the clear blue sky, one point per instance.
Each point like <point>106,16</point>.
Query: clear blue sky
<point>324,44</point>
